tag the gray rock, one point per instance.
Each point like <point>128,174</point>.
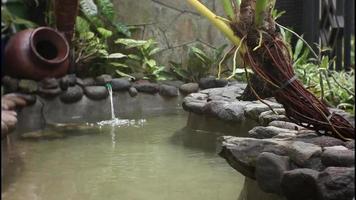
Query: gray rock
<point>254,110</point>
<point>338,158</point>
<point>175,83</point>
<point>64,82</point>
<point>300,152</point>
<point>133,92</point>
<point>212,82</point>
<point>194,106</point>
<point>88,82</point>
<point>261,132</point>
<point>28,86</point>
<point>103,79</point>
<point>120,84</point>
<point>150,88</point>
<point>269,171</point>
<point>189,88</point>
<point>285,125</point>
<point>72,79</point>
<point>49,83</point>
<point>96,92</point>
<point>337,183</point>
<point>323,141</point>
<point>300,184</point>
<point>72,94</point>
<point>79,81</point>
<point>350,144</point>
<point>268,116</point>
<point>168,91</point>
<point>49,93</point>
<point>241,153</point>
<point>232,112</point>
<point>10,84</point>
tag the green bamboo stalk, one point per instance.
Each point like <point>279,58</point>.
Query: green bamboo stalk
<point>262,7</point>
<point>218,23</point>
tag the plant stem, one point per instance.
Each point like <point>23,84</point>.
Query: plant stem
<point>223,27</point>
<point>260,12</point>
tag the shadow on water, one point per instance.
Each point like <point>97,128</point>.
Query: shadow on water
<point>12,163</point>
<point>195,139</point>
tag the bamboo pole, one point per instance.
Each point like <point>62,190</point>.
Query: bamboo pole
<point>218,23</point>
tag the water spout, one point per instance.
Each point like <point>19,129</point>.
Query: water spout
<point>108,85</point>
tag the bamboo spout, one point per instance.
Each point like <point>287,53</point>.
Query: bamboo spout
<point>66,12</point>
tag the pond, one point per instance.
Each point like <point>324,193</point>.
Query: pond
<point>157,158</point>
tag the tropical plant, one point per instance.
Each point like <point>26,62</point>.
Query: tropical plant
<point>142,60</point>
<point>11,23</point>
<point>334,87</point>
<point>250,26</point>
<point>200,64</point>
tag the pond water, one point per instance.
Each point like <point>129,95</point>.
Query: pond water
<point>152,159</point>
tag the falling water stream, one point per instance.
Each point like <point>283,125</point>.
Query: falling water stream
<point>111,102</point>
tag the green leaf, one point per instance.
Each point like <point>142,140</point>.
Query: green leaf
<point>106,7</point>
<point>117,55</point>
<point>134,57</point>
<point>298,48</point>
<point>324,62</point>
<point>104,32</point>
<point>154,51</point>
<point>121,28</point>
<point>116,64</point>
<point>81,25</point>
<point>88,7</point>
<point>124,74</point>
<point>151,62</point>
<point>131,43</point>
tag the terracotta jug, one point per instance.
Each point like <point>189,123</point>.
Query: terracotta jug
<point>37,54</point>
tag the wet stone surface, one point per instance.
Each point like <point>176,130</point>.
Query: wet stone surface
<point>282,156</point>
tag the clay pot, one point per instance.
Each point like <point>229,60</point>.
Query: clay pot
<point>37,54</point>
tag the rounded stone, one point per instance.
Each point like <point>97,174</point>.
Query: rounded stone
<point>72,94</point>
<point>212,82</point>
<point>189,88</point>
<point>28,86</point>
<point>72,79</point>
<point>96,92</point>
<point>337,183</point>
<point>168,91</point>
<point>133,92</point>
<point>49,93</point>
<point>64,82</point>
<point>120,84</point>
<point>49,83</point>
<point>150,88</point>
<point>269,171</point>
<point>300,184</point>
<point>88,82</point>
<point>338,158</point>
<point>10,84</point>
<point>103,79</point>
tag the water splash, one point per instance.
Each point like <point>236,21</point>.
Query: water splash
<point>108,85</point>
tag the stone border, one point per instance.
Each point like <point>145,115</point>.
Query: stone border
<point>284,158</point>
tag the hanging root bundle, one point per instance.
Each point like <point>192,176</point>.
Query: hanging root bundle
<point>274,65</point>
<point>263,49</point>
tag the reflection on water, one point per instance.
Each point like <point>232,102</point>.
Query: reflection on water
<point>157,160</point>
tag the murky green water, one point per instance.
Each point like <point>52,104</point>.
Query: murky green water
<point>159,160</point>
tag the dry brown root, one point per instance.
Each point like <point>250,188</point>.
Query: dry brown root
<point>269,58</point>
